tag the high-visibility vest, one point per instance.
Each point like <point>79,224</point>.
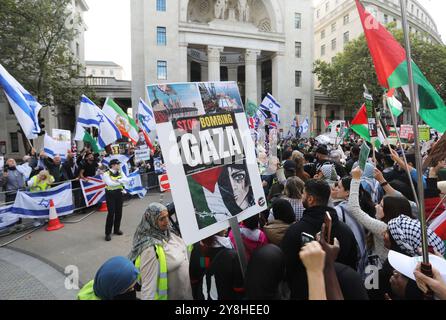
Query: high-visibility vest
<point>40,185</point>
<point>87,292</point>
<point>161,290</point>
<point>110,188</point>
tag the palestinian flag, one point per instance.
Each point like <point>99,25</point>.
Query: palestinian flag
<point>438,225</point>
<point>206,197</point>
<point>327,123</point>
<point>395,106</point>
<point>83,135</point>
<point>360,126</point>
<point>391,68</point>
<point>126,125</point>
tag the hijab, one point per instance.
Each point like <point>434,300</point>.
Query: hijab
<point>114,277</point>
<point>148,232</point>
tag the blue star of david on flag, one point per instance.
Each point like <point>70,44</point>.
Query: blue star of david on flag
<point>44,203</point>
<point>101,118</point>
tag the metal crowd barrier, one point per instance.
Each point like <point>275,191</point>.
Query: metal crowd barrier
<point>149,180</point>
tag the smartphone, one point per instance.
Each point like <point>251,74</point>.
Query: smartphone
<point>306,238</point>
<point>327,221</point>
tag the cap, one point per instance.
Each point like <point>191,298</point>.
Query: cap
<point>406,265</point>
<point>114,161</point>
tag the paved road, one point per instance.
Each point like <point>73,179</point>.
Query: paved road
<point>32,267</point>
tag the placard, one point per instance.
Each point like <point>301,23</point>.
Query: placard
<point>142,154</point>
<point>209,155</point>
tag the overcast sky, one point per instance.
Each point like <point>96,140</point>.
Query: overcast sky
<point>108,35</point>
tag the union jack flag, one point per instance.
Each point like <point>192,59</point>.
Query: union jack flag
<point>93,190</point>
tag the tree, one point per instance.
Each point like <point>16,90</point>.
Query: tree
<point>343,79</point>
<point>36,39</point>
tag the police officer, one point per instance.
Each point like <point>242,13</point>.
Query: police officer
<point>114,178</point>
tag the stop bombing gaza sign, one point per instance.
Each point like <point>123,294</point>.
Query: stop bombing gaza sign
<point>209,155</point>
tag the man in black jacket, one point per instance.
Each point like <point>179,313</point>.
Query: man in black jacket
<point>315,200</point>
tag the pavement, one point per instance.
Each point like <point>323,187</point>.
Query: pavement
<point>33,267</point>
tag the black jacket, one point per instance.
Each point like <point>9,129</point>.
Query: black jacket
<point>311,223</point>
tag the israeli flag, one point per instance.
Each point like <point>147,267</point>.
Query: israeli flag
<point>54,147</point>
<point>304,127</point>
<point>270,104</point>
<point>134,185</point>
<point>6,218</point>
<point>146,118</point>
<point>25,106</point>
<point>37,204</point>
<point>91,116</point>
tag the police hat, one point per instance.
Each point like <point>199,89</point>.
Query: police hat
<point>114,161</point>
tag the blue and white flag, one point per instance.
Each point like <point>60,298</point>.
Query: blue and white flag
<point>6,218</point>
<point>53,147</point>
<point>93,189</point>
<point>269,106</point>
<point>37,204</point>
<point>123,159</point>
<point>91,116</point>
<point>146,118</point>
<point>304,127</point>
<point>134,185</point>
<point>25,106</point>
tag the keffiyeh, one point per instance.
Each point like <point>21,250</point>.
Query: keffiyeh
<point>407,234</point>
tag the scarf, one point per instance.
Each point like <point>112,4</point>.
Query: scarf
<point>407,234</point>
<point>148,233</point>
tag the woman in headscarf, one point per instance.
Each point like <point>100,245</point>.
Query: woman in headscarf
<point>265,273</point>
<point>161,256</point>
<point>115,280</point>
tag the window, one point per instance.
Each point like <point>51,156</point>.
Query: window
<point>346,37</point>
<point>162,70</point>
<point>160,5</point>
<point>346,19</point>
<point>161,36</point>
<point>323,34</point>
<point>411,8</point>
<point>14,141</point>
<point>298,78</point>
<point>297,20</point>
<point>386,19</point>
<point>323,50</point>
<point>298,46</point>
<point>297,105</point>
<point>333,27</point>
<point>333,44</point>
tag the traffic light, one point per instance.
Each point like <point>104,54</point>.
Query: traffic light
<point>41,125</point>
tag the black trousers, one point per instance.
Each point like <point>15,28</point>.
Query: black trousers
<point>114,205</point>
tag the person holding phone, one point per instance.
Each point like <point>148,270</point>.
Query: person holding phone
<point>315,199</point>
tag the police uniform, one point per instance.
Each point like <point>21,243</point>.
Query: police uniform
<point>113,196</point>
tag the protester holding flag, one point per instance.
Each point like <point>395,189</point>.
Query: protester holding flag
<point>115,179</point>
<point>11,180</point>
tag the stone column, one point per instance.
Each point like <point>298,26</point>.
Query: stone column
<point>214,63</point>
<point>232,74</point>
<point>183,74</point>
<point>280,84</point>
<point>259,82</point>
<point>323,117</point>
<point>251,74</point>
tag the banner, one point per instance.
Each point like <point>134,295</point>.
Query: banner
<point>363,155</point>
<point>6,218</point>
<point>406,132</point>
<point>209,154</point>
<point>37,204</point>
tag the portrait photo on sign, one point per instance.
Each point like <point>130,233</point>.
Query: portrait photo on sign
<point>220,193</point>
<point>220,97</point>
<point>172,101</point>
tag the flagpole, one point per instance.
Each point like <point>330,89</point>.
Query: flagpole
<point>402,150</point>
<point>426,267</point>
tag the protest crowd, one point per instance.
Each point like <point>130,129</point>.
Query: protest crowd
<point>335,219</point>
